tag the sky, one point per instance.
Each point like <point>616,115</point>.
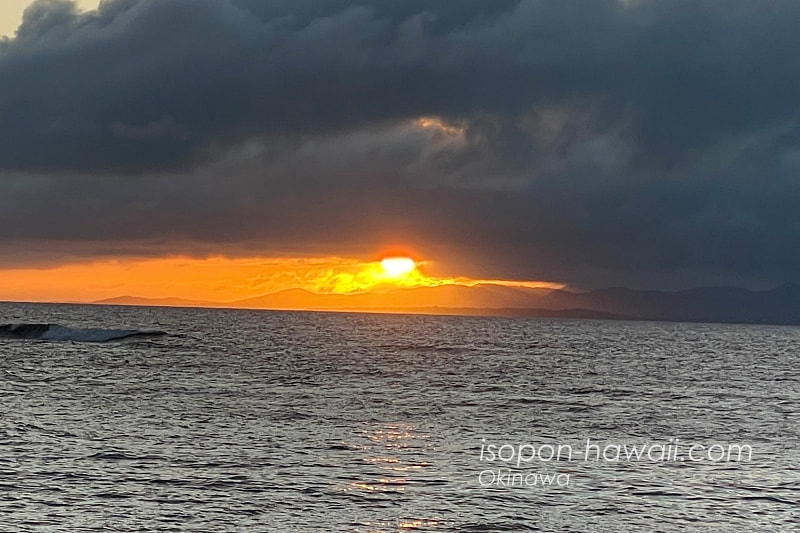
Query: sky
<point>11,13</point>
<point>593,143</point>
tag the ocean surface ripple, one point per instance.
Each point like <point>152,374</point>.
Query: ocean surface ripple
<point>276,421</point>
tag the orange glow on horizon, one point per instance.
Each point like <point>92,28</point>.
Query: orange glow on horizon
<point>221,280</point>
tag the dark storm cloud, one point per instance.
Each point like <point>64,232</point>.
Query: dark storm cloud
<point>218,72</point>
<point>592,141</point>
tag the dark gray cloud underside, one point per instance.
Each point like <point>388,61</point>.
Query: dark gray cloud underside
<point>591,141</point>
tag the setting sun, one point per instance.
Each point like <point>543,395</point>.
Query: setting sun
<point>394,267</point>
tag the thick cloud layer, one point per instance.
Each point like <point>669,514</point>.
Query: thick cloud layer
<point>593,142</point>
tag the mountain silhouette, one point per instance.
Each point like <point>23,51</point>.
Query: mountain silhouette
<point>780,305</point>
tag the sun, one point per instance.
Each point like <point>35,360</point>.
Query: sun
<point>395,267</point>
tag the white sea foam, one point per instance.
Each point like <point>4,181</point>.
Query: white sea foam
<point>55,332</point>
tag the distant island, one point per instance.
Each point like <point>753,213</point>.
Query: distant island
<point>780,306</point>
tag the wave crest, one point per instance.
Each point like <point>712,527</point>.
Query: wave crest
<point>55,332</point>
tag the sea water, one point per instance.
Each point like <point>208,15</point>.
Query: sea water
<point>236,420</point>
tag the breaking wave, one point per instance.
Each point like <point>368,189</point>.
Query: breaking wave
<point>54,332</point>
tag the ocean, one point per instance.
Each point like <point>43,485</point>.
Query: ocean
<point>236,420</point>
